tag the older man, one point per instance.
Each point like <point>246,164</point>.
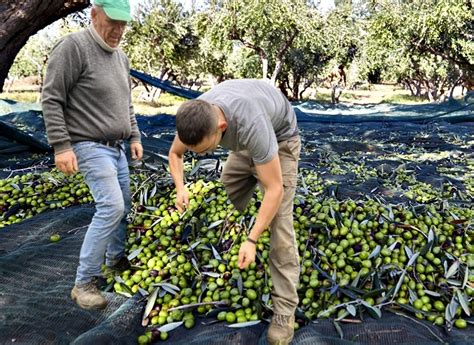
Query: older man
<point>88,114</point>
<point>255,121</point>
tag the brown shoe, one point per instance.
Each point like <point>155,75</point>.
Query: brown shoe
<point>122,265</point>
<point>281,329</point>
<point>88,296</point>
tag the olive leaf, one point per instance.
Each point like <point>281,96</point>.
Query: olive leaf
<point>392,247</point>
<point>143,292</point>
<point>375,312</point>
<point>453,306</point>
<point>239,284</point>
<point>431,235</point>
<point>338,328</point>
<point>412,259</point>
<point>305,187</point>
<point>426,248</point>
<point>356,280</point>
<point>170,326</point>
<point>159,219</point>
<point>413,295</point>
<point>463,300</point>
<point>390,213</point>
<point>351,309</point>
<point>432,293</point>
<point>411,309</point>
<point>375,252</point>
<point>215,253</point>
<point>194,245</point>
<point>215,224</point>
<point>244,324</point>
<point>466,277</point>
<point>141,198</point>
<point>399,284</point>
<point>195,264</point>
<point>348,292</point>
<point>409,252</point>
<point>153,192</point>
<point>252,220</point>
<point>208,200</point>
<point>452,270</point>
<point>195,168</point>
<point>134,254</point>
<point>150,304</point>
<point>331,211</point>
<point>126,294</point>
<point>212,274</point>
<point>168,286</point>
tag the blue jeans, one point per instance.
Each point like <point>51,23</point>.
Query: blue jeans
<point>105,170</point>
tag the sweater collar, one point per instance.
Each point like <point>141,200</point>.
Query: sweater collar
<point>100,41</point>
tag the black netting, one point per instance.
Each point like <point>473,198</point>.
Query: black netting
<point>36,275</point>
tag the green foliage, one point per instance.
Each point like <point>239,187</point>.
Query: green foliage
<point>33,57</point>
<point>162,40</point>
<point>30,60</point>
<point>268,28</point>
<point>425,44</point>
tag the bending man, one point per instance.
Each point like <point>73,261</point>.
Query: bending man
<point>258,124</point>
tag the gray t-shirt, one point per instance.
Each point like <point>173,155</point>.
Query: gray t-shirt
<point>258,117</point>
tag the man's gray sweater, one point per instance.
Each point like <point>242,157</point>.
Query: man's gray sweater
<point>87,93</point>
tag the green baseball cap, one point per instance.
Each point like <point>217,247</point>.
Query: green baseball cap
<point>115,9</point>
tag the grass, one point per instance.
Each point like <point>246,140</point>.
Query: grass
<point>382,93</point>
<point>21,96</point>
<point>403,99</point>
<point>167,103</point>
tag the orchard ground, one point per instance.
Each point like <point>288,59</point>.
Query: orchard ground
<point>27,90</point>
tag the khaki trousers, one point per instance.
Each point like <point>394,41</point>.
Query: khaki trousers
<point>239,177</point>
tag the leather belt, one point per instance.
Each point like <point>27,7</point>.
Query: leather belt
<point>111,143</point>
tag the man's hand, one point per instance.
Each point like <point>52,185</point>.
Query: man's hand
<point>182,199</point>
<point>136,150</point>
<point>66,162</point>
<point>246,254</point>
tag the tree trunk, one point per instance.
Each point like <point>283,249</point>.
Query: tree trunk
<point>276,71</point>
<point>281,55</point>
<point>296,88</point>
<point>22,19</point>
<point>306,85</point>
<point>264,60</point>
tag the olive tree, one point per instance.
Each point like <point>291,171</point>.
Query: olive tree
<point>426,45</point>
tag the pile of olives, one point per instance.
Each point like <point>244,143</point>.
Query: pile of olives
<point>357,256</point>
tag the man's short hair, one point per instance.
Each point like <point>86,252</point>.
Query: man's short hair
<point>195,120</point>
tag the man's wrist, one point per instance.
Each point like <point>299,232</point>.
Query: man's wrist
<point>251,240</point>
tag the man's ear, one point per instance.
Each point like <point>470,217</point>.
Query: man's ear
<point>93,13</point>
<point>222,125</point>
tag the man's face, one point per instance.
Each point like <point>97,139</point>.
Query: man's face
<point>208,144</point>
<point>110,30</point>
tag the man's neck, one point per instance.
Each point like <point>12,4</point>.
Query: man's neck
<point>100,41</point>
